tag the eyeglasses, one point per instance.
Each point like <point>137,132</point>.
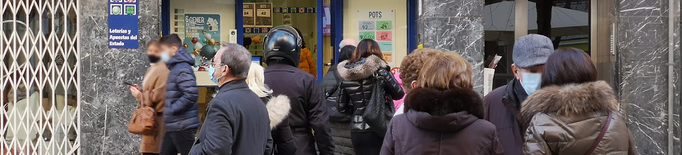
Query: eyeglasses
<point>213,64</point>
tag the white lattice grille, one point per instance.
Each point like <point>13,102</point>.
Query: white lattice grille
<point>40,110</point>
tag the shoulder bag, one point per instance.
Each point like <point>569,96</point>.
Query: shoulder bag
<point>331,100</point>
<point>601,135</point>
<point>142,121</point>
<point>379,110</point>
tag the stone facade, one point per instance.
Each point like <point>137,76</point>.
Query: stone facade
<point>455,26</point>
<point>642,72</point>
<point>106,102</point>
<point>451,25</point>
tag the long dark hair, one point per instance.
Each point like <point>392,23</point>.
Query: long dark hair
<point>346,52</point>
<point>301,35</point>
<point>568,65</point>
<point>365,48</point>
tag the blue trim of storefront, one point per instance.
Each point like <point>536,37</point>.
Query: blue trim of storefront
<point>411,26</point>
<point>165,17</point>
<point>320,40</point>
<point>337,27</point>
<point>239,20</point>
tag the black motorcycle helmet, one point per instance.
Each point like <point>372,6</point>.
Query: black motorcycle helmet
<point>282,44</point>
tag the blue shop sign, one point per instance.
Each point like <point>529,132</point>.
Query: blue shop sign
<point>123,24</point>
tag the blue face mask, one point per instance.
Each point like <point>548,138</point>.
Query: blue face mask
<point>165,57</point>
<point>211,70</point>
<point>531,82</point>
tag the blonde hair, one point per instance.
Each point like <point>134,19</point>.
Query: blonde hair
<point>256,81</point>
<point>446,71</point>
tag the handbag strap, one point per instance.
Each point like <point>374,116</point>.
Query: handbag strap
<point>336,87</point>
<point>601,135</point>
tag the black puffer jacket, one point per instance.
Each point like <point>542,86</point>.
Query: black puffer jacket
<point>356,89</point>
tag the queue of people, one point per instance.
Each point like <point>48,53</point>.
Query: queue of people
<point>554,105</point>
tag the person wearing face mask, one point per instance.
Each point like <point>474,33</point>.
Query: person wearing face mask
<point>237,120</point>
<point>152,94</point>
<point>574,113</point>
<point>502,105</point>
<point>180,113</point>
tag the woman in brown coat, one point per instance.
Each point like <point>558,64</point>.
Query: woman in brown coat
<point>573,110</point>
<point>152,94</point>
<point>443,114</point>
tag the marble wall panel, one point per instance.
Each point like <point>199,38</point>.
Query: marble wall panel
<point>106,102</point>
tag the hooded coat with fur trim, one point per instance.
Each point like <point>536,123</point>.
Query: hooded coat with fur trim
<point>356,89</point>
<point>441,122</point>
<point>283,139</point>
<point>568,119</point>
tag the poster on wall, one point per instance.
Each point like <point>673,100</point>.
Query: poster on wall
<point>379,26</point>
<point>248,11</point>
<point>123,24</point>
<point>263,15</point>
<point>326,18</point>
<point>257,14</point>
<point>202,36</point>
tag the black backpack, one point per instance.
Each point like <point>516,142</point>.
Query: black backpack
<point>331,102</point>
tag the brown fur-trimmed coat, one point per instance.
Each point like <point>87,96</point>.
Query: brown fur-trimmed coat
<point>568,119</point>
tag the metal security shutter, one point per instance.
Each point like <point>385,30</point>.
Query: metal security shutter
<point>39,77</point>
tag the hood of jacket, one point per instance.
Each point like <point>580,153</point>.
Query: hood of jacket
<point>571,99</point>
<point>181,56</point>
<point>278,109</point>
<point>443,110</point>
<point>361,69</point>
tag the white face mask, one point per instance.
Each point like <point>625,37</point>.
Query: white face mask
<point>165,56</point>
<point>531,82</point>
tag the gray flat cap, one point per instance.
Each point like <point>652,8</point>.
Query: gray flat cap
<point>532,50</point>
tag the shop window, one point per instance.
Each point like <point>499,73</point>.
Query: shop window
<point>39,78</point>
<point>260,16</point>
<point>565,22</point>
<point>499,38</point>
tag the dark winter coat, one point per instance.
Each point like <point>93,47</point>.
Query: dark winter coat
<point>358,81</point>
<point>236,123</point>
<point>308,111</point>
<point>568,119</point>
<point>329,81</point>
<point>283,139</point>
<point>502,106</point>
<point>180,111</point>
<point>340,130</point>
<point>459,131</point>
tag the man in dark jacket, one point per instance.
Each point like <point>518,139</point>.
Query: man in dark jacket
<point>330,83</point>
<point>330,80</point>
<point>180,109</point>
<point>308,113</point>
<point>237,121</point>
<point>503,104</point>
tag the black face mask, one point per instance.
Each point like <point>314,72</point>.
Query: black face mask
<point>153,59</point>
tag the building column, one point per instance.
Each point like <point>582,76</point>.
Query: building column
<point>455,26</point>
<point>106,103</point>
<point>645,36</point>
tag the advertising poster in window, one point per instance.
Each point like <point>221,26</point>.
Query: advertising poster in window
<point>202,36</point>
<point>379,26</point>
